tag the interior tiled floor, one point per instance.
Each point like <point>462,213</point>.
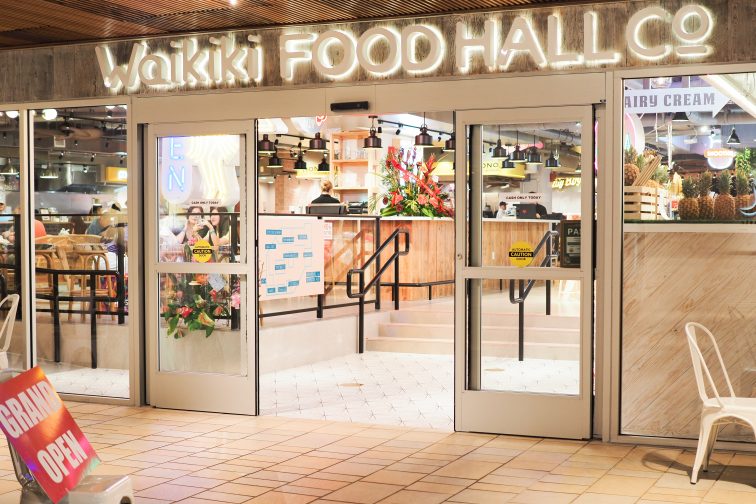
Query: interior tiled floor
<point>415,390</point>
<point>204,458</point>
<point>100,382</point>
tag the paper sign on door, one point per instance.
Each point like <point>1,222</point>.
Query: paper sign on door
<point>44,434</point>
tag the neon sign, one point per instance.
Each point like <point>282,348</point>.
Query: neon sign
<point>337,54</point>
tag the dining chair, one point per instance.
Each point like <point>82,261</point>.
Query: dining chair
<point>6,331</point>
<point>716,411</point>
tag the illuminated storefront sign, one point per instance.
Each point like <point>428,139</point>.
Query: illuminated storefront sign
<point>562,183</point>
<point>657,101</point>
<point>336,54</point>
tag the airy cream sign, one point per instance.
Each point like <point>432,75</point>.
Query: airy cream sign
<point>413,50</point>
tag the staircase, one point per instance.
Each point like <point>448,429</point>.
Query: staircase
<point>550,337</point>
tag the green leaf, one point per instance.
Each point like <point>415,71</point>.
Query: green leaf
<point>172,325</point>
<point>209,331</point>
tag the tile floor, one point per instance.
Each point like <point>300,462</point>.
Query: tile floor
<point>204,458</point>
<point>101,382</point>
<point>415,390</point>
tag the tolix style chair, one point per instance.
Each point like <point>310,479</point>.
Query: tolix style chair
<point>716,411</point>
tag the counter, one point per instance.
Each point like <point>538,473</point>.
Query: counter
<point>431,257</point>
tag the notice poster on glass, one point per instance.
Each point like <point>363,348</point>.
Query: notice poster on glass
<point>291,257</point>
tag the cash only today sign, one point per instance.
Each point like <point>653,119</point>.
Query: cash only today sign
<point>336,54</point>
<point>43,433</point>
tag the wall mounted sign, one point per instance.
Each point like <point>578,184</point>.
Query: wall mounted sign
<point>43,433</point>
<point>562,183</point>
<point>514,197</point>
<point>657,101</point>
<point>520,254</point>
<point>292,261</point>
<point>569,37</point>
<point>569,250</point>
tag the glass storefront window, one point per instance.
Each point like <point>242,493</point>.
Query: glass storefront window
<point>688,242</point>
<point>10,232</point>
<point>81,237</point>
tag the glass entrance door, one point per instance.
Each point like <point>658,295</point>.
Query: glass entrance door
<point>524,274</point>
<point>201,288</point>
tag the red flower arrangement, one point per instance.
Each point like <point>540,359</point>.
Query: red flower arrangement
<point>411,187</point>
<point>192,304</point>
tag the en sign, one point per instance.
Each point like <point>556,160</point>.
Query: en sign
<point>44,434</point>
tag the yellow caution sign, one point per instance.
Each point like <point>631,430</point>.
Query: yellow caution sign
<point>521,254</point>
<point>202,251</point>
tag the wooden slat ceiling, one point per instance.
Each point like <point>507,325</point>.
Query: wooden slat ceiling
<point>46,22</point>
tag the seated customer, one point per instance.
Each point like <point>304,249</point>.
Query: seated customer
<point>326,187</point>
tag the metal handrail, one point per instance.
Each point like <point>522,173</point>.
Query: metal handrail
<point>547,240</point>
<point>365,287</point>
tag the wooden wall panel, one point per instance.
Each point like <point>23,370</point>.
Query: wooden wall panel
<point>671,279</point>
<point>732,38</point>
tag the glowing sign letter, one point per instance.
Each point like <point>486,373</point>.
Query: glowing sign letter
<point>487,43</point>
<point>590,42</point>
<point>115,76</point>
<point>693,40</point>
<point>521,38</point>
<point>410,35</point>
<point>289,58</point>
<point>634,26</point>
<point>323,62</point>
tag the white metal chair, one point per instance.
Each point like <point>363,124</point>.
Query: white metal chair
<point>716,411</point>
<point>6,331</point>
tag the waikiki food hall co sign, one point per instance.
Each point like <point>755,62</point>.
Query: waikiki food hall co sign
<point>412,50</point>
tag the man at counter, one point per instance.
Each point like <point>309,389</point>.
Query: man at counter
<point>502,212</point>
<point>325,197</point>
<point>540,210</point>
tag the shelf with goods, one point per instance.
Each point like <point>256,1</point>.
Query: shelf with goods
<point>352,167</point>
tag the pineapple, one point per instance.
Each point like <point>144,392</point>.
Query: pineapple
<point>743,189</point>
<point>688,206</point>
<point>724,204</point>
<point>633,166</point>
<point>705,201</point>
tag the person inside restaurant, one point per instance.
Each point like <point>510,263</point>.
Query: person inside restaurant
<point>502,212</point>
<point>325,197</point>
<point>196,226</point>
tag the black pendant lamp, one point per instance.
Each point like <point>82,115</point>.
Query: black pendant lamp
<point>451,144</point>
<point>499,151</point>
<point>534,157</point>
<point>317,144</point>
<point>680,117</point>
<point>274,161</point>
<point>734,139</point>
<point>423,139</point>
<point>552,161</point>
<point>323,166</point>
<point>372,142</point>
<point>518,155</point>
<point>265,146</point>
<point>300,164</point>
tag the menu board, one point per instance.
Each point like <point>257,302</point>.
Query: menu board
<point>569,250</point>
<point>291,257</point>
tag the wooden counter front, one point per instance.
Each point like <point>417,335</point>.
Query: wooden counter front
<point>431,256</point>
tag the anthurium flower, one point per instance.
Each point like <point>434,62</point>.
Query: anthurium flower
<point>205,320</point>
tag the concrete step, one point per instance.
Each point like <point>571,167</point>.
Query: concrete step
<point>533,350</point>
<point>489,318</point>
<point>489,333</point>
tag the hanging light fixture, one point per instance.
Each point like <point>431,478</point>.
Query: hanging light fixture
<point>317,144</point>
<point>509,164</point>
<point>734,139</point>
<point>274,161</point>
<point>499,151</point>
<point>48,172</point>
<point>534,157</point>
<point>423,139</point>
<point>323,166</point>
<point>518,155</point>
<point>300,162</point>
<point>372,141</point>
<point>680,117</point>
<point>8,169</point>
<point>451,144</point>
<point>552,161</point>
<point>265,146</point>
